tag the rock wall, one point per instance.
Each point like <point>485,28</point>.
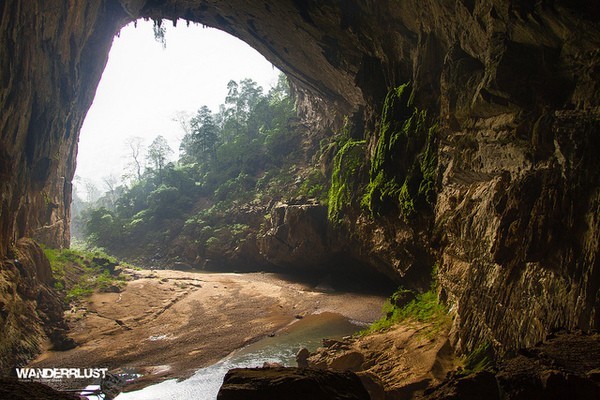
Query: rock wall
<point>513,86</point>
<point>299,236</point>
<point>29,308</point>
<point>51,59</point>
<point>519,223</point>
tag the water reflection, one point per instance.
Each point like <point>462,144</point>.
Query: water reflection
<point>282,348</point>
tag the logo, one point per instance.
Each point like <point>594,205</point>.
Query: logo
<point>41,374</point>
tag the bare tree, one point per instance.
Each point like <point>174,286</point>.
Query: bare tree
<point>183,119</point>
<point>91,190</point>
<point>135,147</point>
<point>111,182</point>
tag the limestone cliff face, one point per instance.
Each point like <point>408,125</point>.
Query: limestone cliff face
<point>518,223</point>
<point>513,87</point>
<point>29,308</point>
<point>52,56</point>
<point>299,236</point>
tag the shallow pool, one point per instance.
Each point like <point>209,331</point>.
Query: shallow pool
<point>281,348</point>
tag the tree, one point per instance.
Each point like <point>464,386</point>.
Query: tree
<point>158,154</point>
<point>135,146</point>
<point>242,98</point>
<point>111,182</point>
<point>204,134</point>
<point>103,228</point>
<point>91,190</point>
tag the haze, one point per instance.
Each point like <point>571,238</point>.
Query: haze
<point>145,86</point>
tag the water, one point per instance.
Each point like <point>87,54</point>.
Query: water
<point>282,348</point>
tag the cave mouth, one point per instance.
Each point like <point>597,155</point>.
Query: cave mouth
<point>148,87</point>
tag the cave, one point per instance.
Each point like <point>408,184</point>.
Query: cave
<point>513,87</point>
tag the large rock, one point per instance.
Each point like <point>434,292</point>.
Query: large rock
<point>291,384</point>
<point>563,367</point>
<point>401,362</point>
<point>299,236</point>
<point>29,307</point>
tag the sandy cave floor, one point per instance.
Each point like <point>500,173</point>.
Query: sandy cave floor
<point>167,323</point>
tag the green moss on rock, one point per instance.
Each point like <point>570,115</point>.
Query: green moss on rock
<point>346,166</point>
<point>403,166</point>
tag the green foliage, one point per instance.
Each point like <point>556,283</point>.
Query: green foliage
<point>403,166</point>
<point>241,153</point>
<point>480,359</point>
<point>103,227</point>
<point>346,166</point>
<point>200,143</point>
<point>79,292</point>
<point>314,185</point>
<point>428,165</point>
<point>158,154</point>
<point>424,308</point>
<point>165,202</point>
<point>78,273</point>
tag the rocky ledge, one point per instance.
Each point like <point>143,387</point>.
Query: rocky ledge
<point>564,367</point>
<point>414,363</point>
<point>291,384</point>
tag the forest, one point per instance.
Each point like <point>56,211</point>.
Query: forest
<point>243,154</point>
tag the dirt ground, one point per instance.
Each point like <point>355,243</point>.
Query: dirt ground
<point>167,323</point>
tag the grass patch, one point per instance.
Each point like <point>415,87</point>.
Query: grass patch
<point>78,273</point>
<point>425,307</point>
<point>480,359</point>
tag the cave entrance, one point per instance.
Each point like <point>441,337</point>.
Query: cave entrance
<point>152,86</point>
<point>157,78</point>
<point>148,87</point>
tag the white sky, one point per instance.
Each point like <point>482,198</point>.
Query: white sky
<point>144,86</point>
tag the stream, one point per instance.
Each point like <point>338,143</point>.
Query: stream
<point>281,348</point>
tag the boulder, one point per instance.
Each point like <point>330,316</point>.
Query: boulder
<point>291,384</point>
<point>298,236</point>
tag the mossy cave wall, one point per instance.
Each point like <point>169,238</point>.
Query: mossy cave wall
<point>489,168</point>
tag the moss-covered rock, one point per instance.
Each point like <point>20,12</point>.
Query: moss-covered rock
<point>347,164</point>
<point>403,167</point>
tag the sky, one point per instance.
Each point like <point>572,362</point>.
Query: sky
<point>145,86</point>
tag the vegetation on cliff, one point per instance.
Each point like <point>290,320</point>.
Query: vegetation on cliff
<point>77,273</point>
<point>423,307</point>
<point>347,168</point>
<point>405,305</point>
<point>403,166</point>
<point>401,173</point>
